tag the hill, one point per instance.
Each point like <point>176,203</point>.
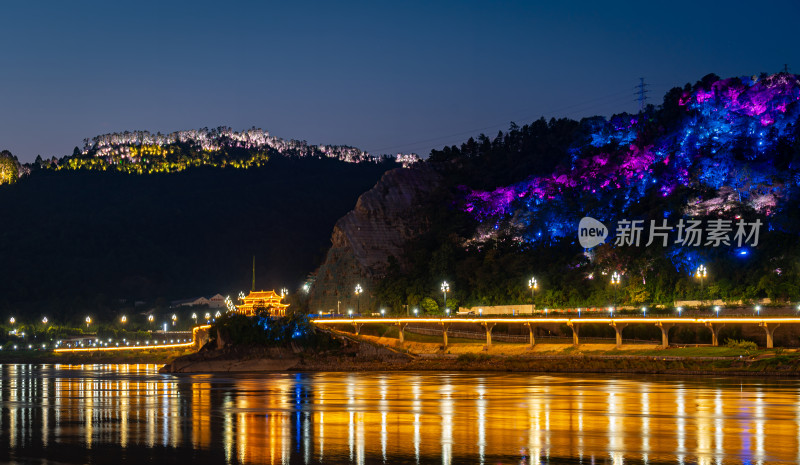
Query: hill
<point>95,240</point>
<point>720,157</point>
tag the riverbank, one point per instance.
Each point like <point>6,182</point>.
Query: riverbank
<point>370,353</point>
<point>158,356</point>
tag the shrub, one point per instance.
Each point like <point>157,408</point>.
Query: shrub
<point>741,344</point>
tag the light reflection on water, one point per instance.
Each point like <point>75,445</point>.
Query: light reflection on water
<point>118,413</point>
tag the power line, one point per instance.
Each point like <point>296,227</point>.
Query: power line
<point>641,94</point>
<point>592,104</point>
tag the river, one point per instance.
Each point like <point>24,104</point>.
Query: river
<point>132,414</point>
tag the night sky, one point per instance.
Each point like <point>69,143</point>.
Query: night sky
<point>386,77</point>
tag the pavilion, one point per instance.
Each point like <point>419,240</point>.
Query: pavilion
<point>268,301</point>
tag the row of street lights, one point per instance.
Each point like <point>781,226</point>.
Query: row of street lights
<point>124,319</point>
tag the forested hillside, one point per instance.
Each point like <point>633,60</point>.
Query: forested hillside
<point>720,150</point>
<point>93,240</point>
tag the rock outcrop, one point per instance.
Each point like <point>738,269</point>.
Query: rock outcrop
<point>385,218</point>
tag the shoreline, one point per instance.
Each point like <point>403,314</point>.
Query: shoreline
<point>575,364</point>
<point>369,353</point>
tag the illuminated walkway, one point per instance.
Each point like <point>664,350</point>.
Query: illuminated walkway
<point>714,324</point>
<point>195,335</point>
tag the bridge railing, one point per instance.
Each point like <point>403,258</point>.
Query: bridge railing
<point>514,337</point>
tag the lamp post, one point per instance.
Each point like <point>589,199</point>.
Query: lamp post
<point>701,274</point>
<point>533,284</point>
<point>644,312</point>
<point>174,319</point>
<point>123,320</point>
<point>284,292</point>
<point>88,321</point>
<point>716,309</point>
<point>445,289</point>
<point>416,311</point>
<point>615,283</point>
<point>12,320</point>
<point>350,313</point>
<point>611,312</point>
<point>150,320</point>
<point>758,310</point>
<point>680,309</point>
<point>383,312</point>
<point>208,317</point>
<point>194,317</point>
<point>358,290</point>
<point>44,321</point>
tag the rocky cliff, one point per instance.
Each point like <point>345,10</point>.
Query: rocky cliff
<point>383,221</point>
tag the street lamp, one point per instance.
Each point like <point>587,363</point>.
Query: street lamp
<point>194,317</point>
<point>416,311</point>
<point>611,311</point>
<point>680,309</point>
<point>12,320</point>
<point>88,321</point>
<point>701,274</point>
<point>533,284</point>
<point>445,289</point>
<point>174,319</point>
<point>579,312</point>
<point>615,277</point>
<point>447,311</point>
<point>644,312</point>
<point>383,312</point>
<point>217,315</point>
<point>716,309</point>
<point>358,290</point>
<point>208,317</point>
<point>44,320</point>
<point>284,292</point>
<point>150,319</point>
<point>350,313</point>
<point>124,319</point>
<point>758,310</point>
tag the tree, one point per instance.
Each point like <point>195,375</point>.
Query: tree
<point>9,168</point>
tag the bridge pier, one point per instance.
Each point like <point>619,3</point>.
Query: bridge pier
<point>488,327</point>
<point>532,331</point>
<point>445,328</point>
<point>714,332</point>
<point>402,327</point>
<point>618,327</point>
<point>574,327</point>
<point>664,327</point>
<point>770,330</point>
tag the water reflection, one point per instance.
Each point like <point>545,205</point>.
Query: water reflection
<point>109,413</point>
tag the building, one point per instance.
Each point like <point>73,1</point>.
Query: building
<point>268,301</point>
<point>217,301</point>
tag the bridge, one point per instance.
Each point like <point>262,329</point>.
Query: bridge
<point>198,333</point>
<point>714,324</point>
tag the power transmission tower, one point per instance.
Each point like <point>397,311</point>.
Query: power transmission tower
<point>786,68</point>
<point>641,94</point>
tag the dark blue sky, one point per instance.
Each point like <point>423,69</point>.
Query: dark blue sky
<point>382,76</point>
